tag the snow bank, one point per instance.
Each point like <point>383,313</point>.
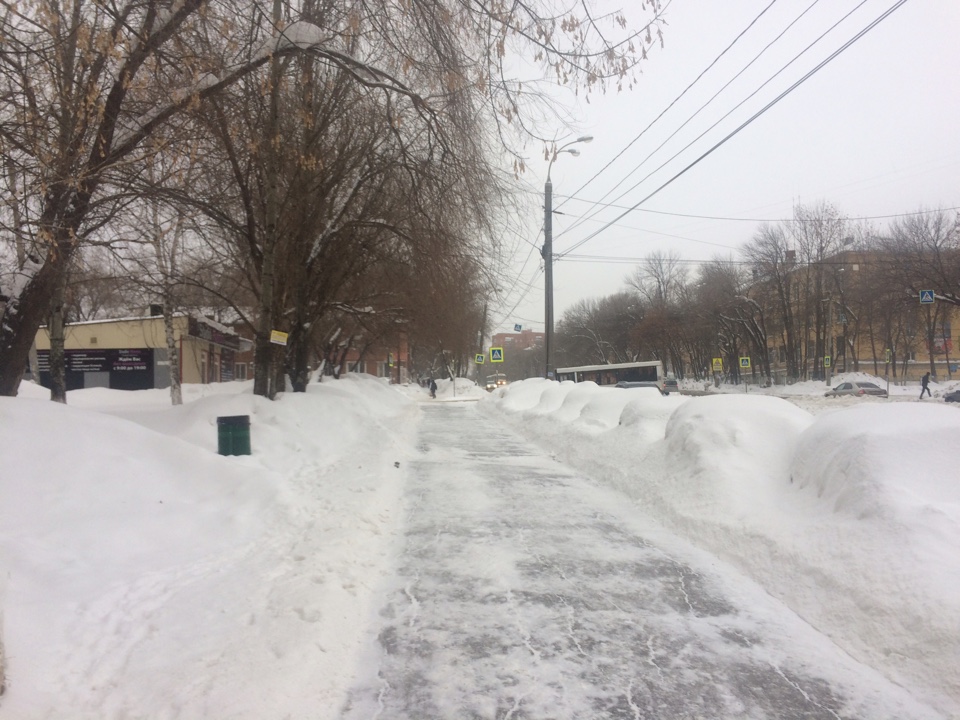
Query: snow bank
<point>849,515</point>
<point>144,573</point>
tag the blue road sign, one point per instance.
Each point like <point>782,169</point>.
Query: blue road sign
<point>926,297</point>
<point>517,328</point>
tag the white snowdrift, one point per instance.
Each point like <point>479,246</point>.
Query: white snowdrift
<point>850,515</point>
<point>143,575</point>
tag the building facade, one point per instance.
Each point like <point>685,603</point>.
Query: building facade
<point>131,353</point>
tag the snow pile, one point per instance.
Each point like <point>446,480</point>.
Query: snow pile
<point>141,571</point>
<point>849,514</point>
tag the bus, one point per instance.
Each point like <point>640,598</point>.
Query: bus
<point>648,371</point>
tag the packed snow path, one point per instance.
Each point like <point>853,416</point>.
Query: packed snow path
<point>521,593</point>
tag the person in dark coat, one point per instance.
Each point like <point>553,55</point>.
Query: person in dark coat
<point>433,388</point>
<point>924,382</point>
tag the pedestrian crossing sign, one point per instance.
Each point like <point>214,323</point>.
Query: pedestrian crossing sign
<point>744,362</point>
<point>496,355</point>
<point>479,358</point>
<point>517,328</point>
<point>926,297</point>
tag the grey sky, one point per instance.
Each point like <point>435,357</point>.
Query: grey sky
<point>876,132</point>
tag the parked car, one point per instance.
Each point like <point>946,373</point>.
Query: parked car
<point>639,384</point>
<point>953,396</point>
<point>670,385</point>
<point>858,388</point>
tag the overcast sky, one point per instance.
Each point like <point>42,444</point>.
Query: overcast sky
<point>876,132</point>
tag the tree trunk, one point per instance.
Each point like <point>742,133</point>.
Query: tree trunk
<point>299,353</point>
<point>22,318</point>
<point>55,329</point>
<point>173,353</point>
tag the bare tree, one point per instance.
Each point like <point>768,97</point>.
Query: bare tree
<point>83,85</point>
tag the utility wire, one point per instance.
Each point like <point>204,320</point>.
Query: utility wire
<point>675,100</point>
<point>749,121</point>
<point>728,113</point>
<point>711,99</point>
<point>523,296</point>
<point>747,219</point>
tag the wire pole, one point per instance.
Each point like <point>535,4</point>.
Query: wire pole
<point>548,276</point>
<point>547,253</point>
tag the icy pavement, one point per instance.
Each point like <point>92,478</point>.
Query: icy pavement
<point>522,592</point>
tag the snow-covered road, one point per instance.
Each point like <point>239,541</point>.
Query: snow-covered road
<point>523,591</point>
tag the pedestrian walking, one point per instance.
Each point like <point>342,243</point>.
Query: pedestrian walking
<point>433,388</point>
<point>924,386</point>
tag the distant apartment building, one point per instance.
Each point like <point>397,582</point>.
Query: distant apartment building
<point>518,340</point>
<point>381,361</point>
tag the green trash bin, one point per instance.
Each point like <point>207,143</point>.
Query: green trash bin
<point>233,435</point>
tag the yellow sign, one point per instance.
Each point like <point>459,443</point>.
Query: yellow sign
<point>826,361</point>
<point>278,338</point>
<point>496,354</point>
<point>479,358</point>
<point>744,362</point>
<point>718,364</point>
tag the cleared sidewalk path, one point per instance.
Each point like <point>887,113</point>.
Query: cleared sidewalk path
<point>523,591</point>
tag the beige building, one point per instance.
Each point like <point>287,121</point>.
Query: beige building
<point>131,353</point>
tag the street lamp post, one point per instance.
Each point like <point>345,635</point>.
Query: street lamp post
<point>547,253</point>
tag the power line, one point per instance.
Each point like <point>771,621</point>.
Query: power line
<point>657,232</point>
<point>674,102</point>
<point>733,109</point>
<point>620,260</point>
<point>747,219</point>
<point>751,119</point>
<point>714,97</point>
<point>523,296</point>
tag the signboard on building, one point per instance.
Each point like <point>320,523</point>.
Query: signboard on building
<point>126,369</point>
<point>205,331</point>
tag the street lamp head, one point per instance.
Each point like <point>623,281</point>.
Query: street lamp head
<point>573,151</point>
<point>585,138</point>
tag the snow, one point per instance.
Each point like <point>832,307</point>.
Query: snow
<point>849,514</point>
<point>142,574</point>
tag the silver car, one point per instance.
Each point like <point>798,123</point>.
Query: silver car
<point>858,388</point>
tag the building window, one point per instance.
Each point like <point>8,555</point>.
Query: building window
<point>240,371</point>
